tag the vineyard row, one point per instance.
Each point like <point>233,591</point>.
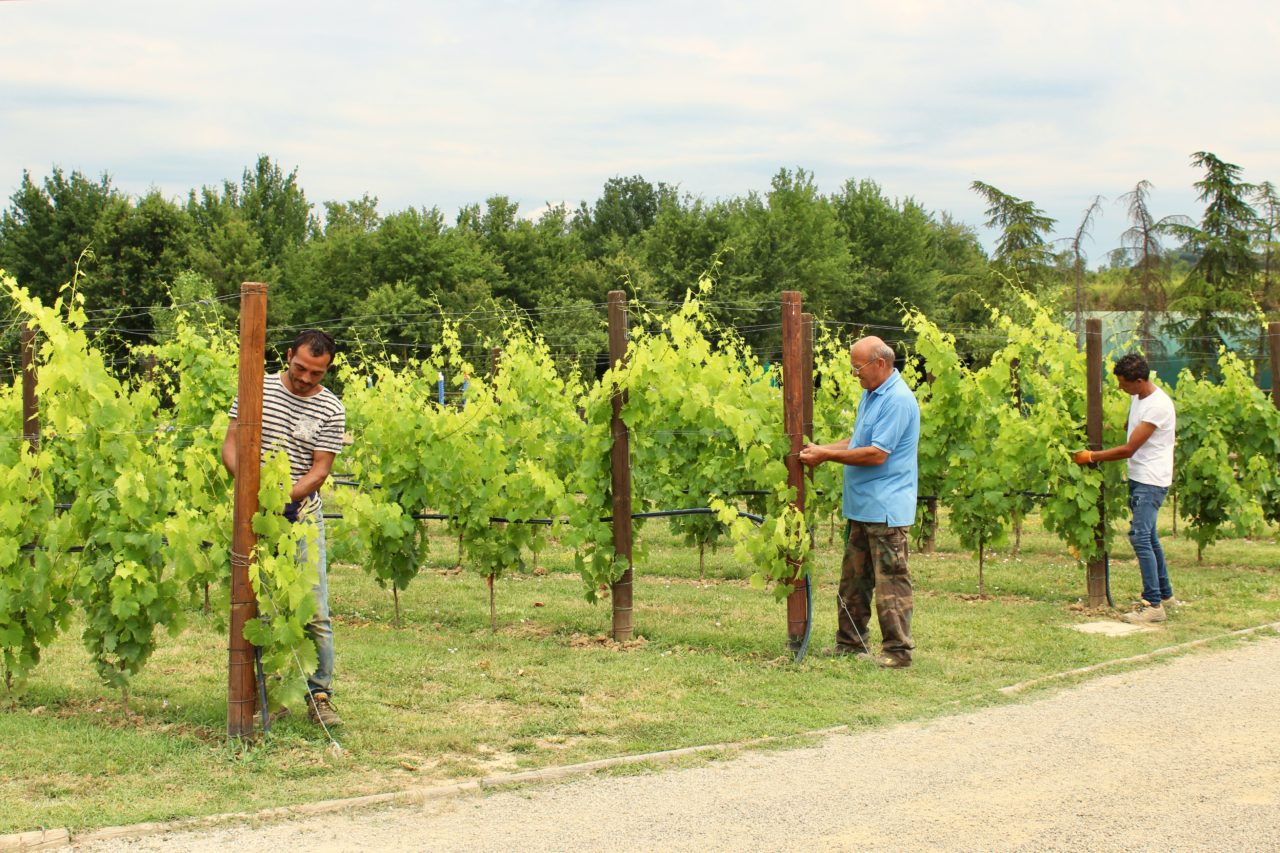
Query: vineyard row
<point>141,487</point>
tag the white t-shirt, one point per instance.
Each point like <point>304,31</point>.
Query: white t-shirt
<point>1152,464</point>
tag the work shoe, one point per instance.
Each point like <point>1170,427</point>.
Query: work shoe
<point>885,661</point>
<point>1171,603</point>
<point>837,651</point>
<point>320,710</point>
<point>1147,615</point>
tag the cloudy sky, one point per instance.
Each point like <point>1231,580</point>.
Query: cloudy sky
<point>444,104</point>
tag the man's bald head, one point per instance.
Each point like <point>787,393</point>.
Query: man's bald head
<point>872,347</point>
<point>872,361</point>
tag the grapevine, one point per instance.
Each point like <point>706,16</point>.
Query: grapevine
<point>283,574</point>
<point>34,587</point>
<point>1228,442</point>
<point>132,460</point>
<point>117,485</point>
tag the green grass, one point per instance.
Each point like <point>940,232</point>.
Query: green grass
<point>443,699</point>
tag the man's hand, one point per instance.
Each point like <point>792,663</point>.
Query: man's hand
<point>229,447</point>
<point>1083,457</point>
<point>811,454</point>
<point>304,506</point>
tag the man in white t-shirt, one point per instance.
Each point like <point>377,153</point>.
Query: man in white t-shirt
<point>1152,424</point>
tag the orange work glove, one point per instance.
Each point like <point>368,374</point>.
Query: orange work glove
<point>1083,457</point>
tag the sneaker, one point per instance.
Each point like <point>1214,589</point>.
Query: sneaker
<point>320,710</point>
<point>1171,603</point>
<point>1147,615</point>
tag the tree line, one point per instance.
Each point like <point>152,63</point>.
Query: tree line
<point>857,254</point>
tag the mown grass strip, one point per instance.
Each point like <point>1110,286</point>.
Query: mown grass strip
<point>442,700</point>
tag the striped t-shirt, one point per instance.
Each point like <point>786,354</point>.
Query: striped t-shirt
<point>298,425</point>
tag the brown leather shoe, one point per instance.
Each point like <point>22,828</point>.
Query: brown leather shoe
<point>321,712</point>
<point>887,661</point>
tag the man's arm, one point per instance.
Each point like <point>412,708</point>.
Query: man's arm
<point>321,465</point>
<point>1137,438</point>
<point>229,448</point>
<point>840,451</point>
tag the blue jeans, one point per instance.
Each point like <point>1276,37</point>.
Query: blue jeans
<point>1144,504</point>
<point>320,628</point>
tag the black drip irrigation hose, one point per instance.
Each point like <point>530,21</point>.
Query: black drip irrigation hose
<point>742,494</point>
<point>1106,574</point>
<point>435,516</point>
<point>262,689</point>
<point>80,549</point>
<point>1106,556</point>
<point>547,522</point>
<point>1033,495</point>
<point>745,493</point>
<point>674,513</point>
<point>808,620</point>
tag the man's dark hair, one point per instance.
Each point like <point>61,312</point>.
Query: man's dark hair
<point>1132,367</point>
<point>317,342</point>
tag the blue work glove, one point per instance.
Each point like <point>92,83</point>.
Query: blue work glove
<point>294,510</point>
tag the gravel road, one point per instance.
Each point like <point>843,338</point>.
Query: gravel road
<point>1183,755</point>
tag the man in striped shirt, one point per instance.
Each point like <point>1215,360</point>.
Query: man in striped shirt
<point>305,420</point>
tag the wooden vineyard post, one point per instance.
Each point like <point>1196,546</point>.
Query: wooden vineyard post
<point>930,545</point>
<point>242,697</point>
<point>806,360</point>
<point>30,413</point>
<point>30,421</point>
<point>793,419</point>
<point>1273,335</point>
<point>1015,388</point>
<point>1096,569</point>
<point>806,365</point>
<point>1015,384</point>
<point>620,464</point>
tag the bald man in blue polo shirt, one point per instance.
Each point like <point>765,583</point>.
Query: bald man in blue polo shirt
<point>879,502</point>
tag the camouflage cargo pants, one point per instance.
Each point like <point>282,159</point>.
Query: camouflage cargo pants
<point>875,560</point>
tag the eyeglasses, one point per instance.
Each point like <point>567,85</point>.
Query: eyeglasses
<point>858,368</point>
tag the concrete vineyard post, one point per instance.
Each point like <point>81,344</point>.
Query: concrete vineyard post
<point>241,693</point>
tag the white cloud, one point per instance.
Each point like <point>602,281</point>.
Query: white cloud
<point>445,104</point>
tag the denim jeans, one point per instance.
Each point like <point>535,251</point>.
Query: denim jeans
<point>320,628</point>
<point>1144,504</point>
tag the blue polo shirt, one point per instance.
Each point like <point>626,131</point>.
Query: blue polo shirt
<point>888,418</point>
